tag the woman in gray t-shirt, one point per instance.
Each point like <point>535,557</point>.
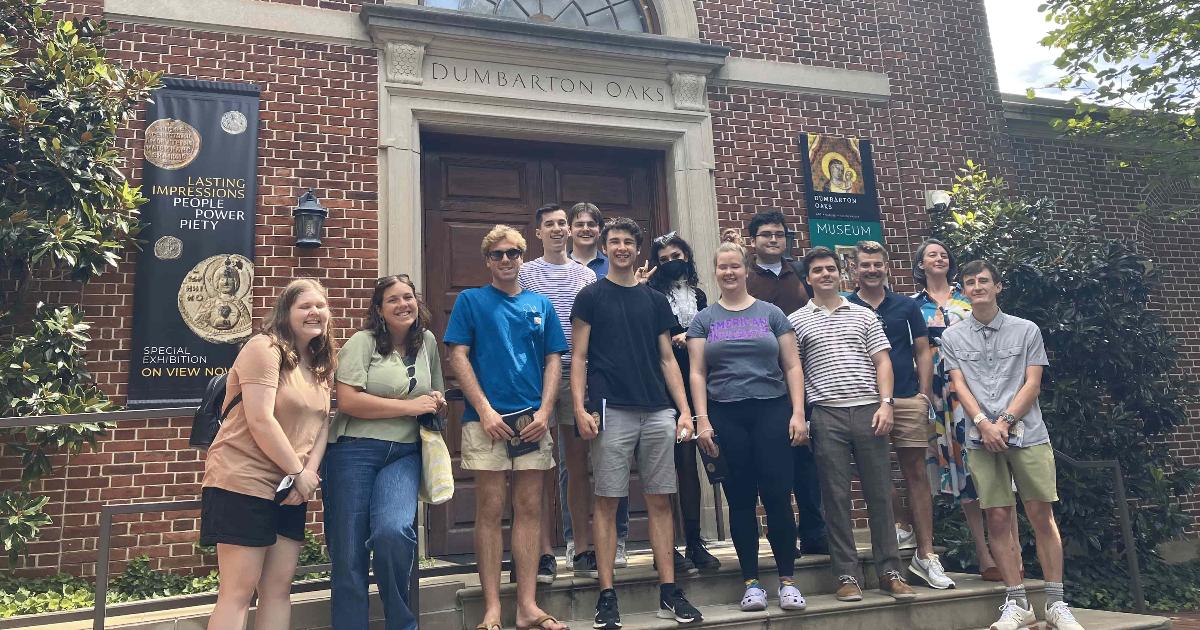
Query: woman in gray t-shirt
<point>747,389</point>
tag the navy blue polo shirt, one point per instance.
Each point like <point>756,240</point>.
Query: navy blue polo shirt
<point>903,322</point>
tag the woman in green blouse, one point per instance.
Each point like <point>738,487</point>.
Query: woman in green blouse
<point>389,373</point>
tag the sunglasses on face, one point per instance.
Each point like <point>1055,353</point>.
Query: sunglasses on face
<point>512,254</point>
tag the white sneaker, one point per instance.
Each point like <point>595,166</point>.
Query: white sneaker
<point>570,552</point>
<point>906,538</point>
<point>930,571</point>
<point>1013,617</point>
<point>622,559</point>
<point>1059,617</point>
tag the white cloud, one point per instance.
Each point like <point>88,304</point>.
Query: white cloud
<point>1021,61</point>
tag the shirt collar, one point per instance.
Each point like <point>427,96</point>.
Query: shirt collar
<point>888,294</point>
<point>816,308</point>
<point>994,325</point>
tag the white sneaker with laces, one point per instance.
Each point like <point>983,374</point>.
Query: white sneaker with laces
<point>1013,617</point>
<point>622,559</point>
<point>906,538</point>
<point>930,571</point>
<point>1059,617</point>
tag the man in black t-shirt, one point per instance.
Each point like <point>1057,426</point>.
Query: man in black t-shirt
<point>623,380</point>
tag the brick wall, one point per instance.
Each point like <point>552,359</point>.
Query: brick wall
<point>319,126</point>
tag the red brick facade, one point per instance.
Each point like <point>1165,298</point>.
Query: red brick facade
<point>319,122</point>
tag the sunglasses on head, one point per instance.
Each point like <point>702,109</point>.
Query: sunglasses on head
<point>512,254</point>
<point>662,240</point>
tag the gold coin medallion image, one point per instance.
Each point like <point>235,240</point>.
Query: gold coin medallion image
<point>522,422</point>
<point>214,298</point>
<point>171,144</point>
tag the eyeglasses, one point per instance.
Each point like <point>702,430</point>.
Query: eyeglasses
<point>662,240</point>
<point>771,235</point>
<point>512,254</point>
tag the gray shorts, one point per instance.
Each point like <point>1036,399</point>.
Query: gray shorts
<point>627,432</point>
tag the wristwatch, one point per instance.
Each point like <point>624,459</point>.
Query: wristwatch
<point>889,401</point>
<point>1008,418</point>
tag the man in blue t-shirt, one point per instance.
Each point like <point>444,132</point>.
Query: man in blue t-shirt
<point>912,376</point>
<point>505,346</point>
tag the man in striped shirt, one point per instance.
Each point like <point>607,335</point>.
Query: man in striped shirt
<point>560,279</point>
<point>848,380</point>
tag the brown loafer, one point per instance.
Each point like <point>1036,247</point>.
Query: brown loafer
<point>849,591</point>
<point>892,584</point>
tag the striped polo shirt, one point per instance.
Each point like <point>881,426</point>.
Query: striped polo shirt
<point>560,283</point>
<point>836,348</point>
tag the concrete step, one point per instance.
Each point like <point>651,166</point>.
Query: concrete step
<point>637,585</point>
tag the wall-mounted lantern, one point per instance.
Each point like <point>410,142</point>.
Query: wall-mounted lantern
<point>309,216</point>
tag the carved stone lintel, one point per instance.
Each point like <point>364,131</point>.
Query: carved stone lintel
<point>689,92</point>
<point>404,62</point>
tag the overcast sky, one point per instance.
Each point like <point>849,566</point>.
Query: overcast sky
<point>1021,60</point>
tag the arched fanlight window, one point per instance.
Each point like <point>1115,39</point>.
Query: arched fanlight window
<point>612,15</point>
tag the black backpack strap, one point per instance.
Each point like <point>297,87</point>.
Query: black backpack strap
<point>233,403</point>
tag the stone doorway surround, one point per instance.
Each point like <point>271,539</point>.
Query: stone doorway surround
<point>476,75</point>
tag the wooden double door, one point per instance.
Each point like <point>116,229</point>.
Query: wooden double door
<point>468,186</point>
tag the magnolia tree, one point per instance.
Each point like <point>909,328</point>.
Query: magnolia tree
<point>66,214</point>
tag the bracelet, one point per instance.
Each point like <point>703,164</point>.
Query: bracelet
<point>299,473</point>
<point>979,417</point>
<point>703,415</point>
<point>703,432</point>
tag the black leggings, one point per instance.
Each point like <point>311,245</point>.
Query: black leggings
<point>753,436</point>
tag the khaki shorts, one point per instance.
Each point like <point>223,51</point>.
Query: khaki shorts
<point>1031,467</point>
<point>481,452</point>
<point>564,409</point>
<point>911,427</point>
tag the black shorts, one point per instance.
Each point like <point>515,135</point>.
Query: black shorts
<point>233,518</point>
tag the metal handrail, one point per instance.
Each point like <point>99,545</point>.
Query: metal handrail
<point>1131,554</point>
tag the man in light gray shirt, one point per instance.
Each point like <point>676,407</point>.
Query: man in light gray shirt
<point>995,361</point>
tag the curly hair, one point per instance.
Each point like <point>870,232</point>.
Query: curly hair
<point>377,326</point>
<point>278,328</point>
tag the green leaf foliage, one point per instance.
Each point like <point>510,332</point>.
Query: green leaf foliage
<point>1132,54</point>
<point>1112,391</point>
<point>66,212</point>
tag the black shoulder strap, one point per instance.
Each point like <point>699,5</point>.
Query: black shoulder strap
<point>233,403</point>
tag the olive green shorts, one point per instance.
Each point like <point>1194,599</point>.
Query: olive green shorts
<point>1032,468</point>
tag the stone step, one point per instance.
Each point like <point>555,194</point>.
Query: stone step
<point>637,585</point>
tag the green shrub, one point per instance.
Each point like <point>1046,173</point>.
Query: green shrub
<point>1112,391</point>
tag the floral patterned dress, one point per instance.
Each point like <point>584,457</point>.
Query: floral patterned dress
<point>947,462</point>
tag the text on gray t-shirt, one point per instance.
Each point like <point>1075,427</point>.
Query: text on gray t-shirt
<point>741,350</point>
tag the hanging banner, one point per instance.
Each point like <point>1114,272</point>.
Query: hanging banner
<point>191,306</point>
<point>839,177</point>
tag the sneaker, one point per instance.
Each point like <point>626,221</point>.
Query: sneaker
<point>755,598</point>
<point>930,571</point>
<point>906,538</point>
<point>683,566</point>
<point>547,569</point>
<point>1059,617</point>
<point>849,591</point>
<point>607,615</point>
<point>891,583</point>
<point>570,551</point>
<point>1013,617</point>
<point>584,565</point>
<point>677,607</point>
<point>790,598</point>
<point>699,556</point>
<point>622,559</point>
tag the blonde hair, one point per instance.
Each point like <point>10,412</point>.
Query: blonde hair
<point>278,328</point>
<point>732,247</point>
<point>499,233</point>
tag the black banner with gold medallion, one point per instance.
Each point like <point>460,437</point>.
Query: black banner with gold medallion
<point>191,307</point>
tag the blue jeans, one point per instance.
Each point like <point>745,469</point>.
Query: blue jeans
<point>622,507</point>
<point>370,493</point>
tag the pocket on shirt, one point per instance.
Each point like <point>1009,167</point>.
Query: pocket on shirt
<point>970,355</point>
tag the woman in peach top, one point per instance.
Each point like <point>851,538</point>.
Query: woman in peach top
<point>275,437</point>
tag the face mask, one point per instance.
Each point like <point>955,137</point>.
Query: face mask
<point>672,269</point>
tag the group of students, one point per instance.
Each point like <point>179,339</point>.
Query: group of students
<point>784,377</point>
